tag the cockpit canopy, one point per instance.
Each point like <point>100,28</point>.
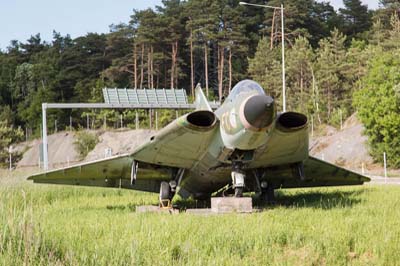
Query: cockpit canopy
<point>244,87</point>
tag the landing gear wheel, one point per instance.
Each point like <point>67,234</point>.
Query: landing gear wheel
<point>165,195</point>
<point>238,192</point>
<point>268,195</point>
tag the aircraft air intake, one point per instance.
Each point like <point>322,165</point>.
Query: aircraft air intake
<point>291,121</point>
<point>258,112</point>
<point>202,119</point>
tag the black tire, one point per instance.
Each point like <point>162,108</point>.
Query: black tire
<point>165,191</point>
<point>238,192</point>
<point>271,194</point>
<point>268,195</point>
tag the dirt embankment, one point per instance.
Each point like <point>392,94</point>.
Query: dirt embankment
<point>347,147</point>
<point>62,151</point>
<point>120,142</point>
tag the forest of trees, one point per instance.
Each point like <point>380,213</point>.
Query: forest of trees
<point>331,59</point>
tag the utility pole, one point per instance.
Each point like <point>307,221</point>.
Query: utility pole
<point>384,166</point>
<point>44,137</point>
<point>283,63</point>
<point>10,154</point>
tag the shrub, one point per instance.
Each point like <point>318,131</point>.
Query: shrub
<point>85,142</point>
<point>378,106</point>
<point>8,136</point>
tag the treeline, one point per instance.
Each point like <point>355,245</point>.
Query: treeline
<point>212,42</point>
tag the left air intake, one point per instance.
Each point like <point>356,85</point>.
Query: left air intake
<point>201,119</point>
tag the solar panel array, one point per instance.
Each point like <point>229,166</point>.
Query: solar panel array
<point>145,96</point>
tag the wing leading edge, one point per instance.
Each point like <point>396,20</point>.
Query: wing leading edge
<point>120,172</point>
<point>315,173</point>
<point>324,173</point>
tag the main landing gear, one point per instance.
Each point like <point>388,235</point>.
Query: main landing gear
<point>168,189</point>
<point>167,192</point>
<point>265,188</point>
<point>267,192</point>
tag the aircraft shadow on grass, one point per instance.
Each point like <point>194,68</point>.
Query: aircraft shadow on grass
<point>307,199</point>
<point>320,200</point>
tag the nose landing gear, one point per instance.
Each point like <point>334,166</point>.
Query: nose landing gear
<point>238,180</point>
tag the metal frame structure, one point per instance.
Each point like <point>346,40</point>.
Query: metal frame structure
<point>144,96</point>
<point>146,99</point>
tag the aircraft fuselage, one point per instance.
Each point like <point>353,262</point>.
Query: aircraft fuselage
<point>247,121</point>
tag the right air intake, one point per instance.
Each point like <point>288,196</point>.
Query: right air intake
<point>291,121</point>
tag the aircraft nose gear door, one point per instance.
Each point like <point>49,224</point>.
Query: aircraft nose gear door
<point>238,179</point>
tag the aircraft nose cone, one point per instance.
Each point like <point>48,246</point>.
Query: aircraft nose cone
<point>258,111</point>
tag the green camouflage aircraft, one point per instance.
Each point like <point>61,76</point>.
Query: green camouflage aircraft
<point>245,145</point>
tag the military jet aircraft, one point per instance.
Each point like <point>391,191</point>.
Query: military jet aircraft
<point>244,146</point>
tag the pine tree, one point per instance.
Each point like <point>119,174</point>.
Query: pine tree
<point>229,37</point>
<point>387,10</point>
<point>173,27</point>
<point>121,72</point>
<point>299,75</point>
<point>378,34</point>
<point>203,16</point>
<point>356,18</point>
<point>357,57</point>
<point>393,40</point>
<point>329,70</point>
<point>265,68</point>
<point>237,42</point>
<point>306,18</point>
<point>147,26</point>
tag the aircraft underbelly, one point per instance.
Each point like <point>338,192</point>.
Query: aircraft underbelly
<point>205,183</point>
<point>206,176</point>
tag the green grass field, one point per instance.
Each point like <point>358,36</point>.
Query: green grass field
<point>56,225</point>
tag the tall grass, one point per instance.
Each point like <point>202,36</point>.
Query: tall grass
<point>55,225</point>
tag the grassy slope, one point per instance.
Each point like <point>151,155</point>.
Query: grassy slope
<point>42,225</point>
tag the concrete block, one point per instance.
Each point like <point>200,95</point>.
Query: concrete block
<point>231,204</point>
<point>155,209</point>
<point>147,208</point>
<point>201,211</point>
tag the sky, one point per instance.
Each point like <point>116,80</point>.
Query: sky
<point>372,4</point>
<point>19,19</point>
